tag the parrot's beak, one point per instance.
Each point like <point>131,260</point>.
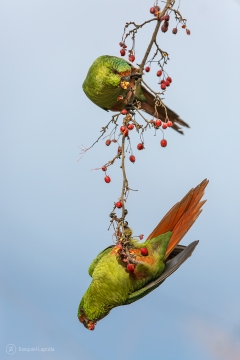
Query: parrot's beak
<point>89,324</point>
<point>125,78</point>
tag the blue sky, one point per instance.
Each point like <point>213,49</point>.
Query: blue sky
<point>54,210</point>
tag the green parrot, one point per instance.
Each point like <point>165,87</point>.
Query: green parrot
<point>110,83</point>
<point>114,285</point>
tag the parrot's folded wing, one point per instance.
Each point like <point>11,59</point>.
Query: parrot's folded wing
<point>171,266</point>
<point>97,258</point>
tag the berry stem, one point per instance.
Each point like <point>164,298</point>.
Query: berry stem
<point>169,4</point>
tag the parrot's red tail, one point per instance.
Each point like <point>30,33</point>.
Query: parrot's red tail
<point>181,217</point>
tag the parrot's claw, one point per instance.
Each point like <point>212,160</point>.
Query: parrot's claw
<point>136,76</point>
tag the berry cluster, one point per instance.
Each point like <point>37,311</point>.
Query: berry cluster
<point>128,125</point>
<point>131,56</point>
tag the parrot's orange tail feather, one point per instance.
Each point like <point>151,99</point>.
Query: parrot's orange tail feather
<point>181,217</point>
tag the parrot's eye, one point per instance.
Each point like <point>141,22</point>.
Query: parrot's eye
<point>115,71</point>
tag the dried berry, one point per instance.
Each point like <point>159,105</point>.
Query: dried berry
<point>174,31</point>
<point>167,17</point>
<point>164,29</point>
<point>104,168</point>
<point>188,32</point>
<point>152,10</point>
<point>131,58</point>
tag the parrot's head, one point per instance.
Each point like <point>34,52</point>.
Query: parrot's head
<point>89,324</point>
<point>112,70</point>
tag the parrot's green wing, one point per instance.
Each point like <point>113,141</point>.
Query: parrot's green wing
<point>172,265</point>
<point>96,260</point>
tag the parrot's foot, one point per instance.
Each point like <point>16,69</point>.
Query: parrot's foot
<point>136,76</point>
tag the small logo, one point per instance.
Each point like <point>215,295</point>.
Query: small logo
<point>10,349</point>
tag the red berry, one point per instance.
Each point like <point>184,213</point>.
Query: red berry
<point>144,251</point>
<point>164,125</point>
<point>121,44</point>
<point>169,79</point>
<point>152,10</point>
<point>130,126</point>
<point>119,149</point>
<point>140,146</point>
<point>163,143</point>
<point>114,140</point>
<point>124,46</point>
<point>165,24</point>
<point>147,68</point>
<point>119,204</point>
<point>174,31</point>
<point>130,267</point>
<point>157,8</point>
<point>158,123</point>
<point>124,112</point>
<point>104,168</point>
<point>122,52</point>
<point>91,326</point>
<point>162,82</point>
<point>163,86</point>
<point>124,130</point>
<point>169,123</point>
<point>108,142</point>
<point>107,179</point>
<point>184,26</point>
<point>166,17</point>
<point>132,158</point>
<point>188,32</point>
<point>164,29</point>
<point>167,83</point>
<point>159,73</point>
<point>131,58</point>
<point>141,236</point>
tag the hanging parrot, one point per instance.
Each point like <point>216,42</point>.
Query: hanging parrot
<point>110,82</point>
<point>114,285</point>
